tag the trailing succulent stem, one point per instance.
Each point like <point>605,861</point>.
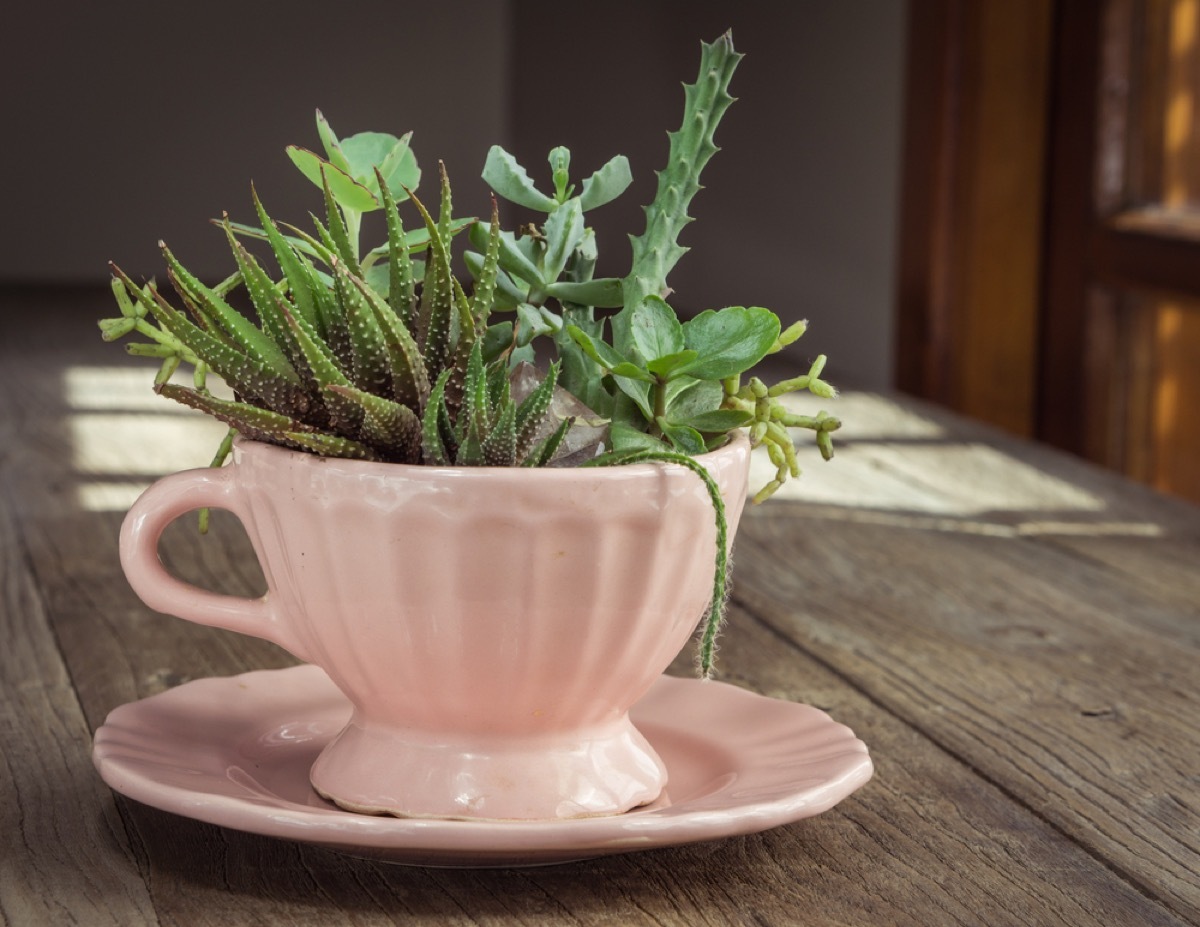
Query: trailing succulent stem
<point>716,611</point>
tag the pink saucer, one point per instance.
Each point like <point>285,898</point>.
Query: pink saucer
<point>236,752</point>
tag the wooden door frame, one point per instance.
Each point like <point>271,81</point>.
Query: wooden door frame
<point>972,211</point>
<point>1082,238</point>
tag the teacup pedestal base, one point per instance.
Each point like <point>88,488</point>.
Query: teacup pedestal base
<point>377,769</point>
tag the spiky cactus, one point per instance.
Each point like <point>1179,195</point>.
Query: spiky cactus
<point>657,250</point>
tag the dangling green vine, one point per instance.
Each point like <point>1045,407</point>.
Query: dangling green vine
<point>716,612</point>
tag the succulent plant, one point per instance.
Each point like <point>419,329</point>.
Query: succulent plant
<point>664,384</point>
<point>336,368</point>
<point>382,355</point>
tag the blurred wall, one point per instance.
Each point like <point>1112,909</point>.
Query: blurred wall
<point>799,213</point>
<point>130,121</point>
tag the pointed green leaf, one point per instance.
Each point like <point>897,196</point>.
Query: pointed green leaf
<point>338,233</point>
<point>247,336</point>
<point>331,323</point>
<point>388,427</point>
<point>433,446</point>
<point>500,447</point>
<point>322,249</point>
<point>265,299</point>
<point>401,285</point>
<point>331,445</point>
<point>666,368</point>
<point>367,348</point>
<point>299,282</point>
<point>476,406</point>
<point>717,421</point>
<point>506,296</point>
<point>508,179</point>
<point>249,420</point>
<point>445,208</point>
<point>606,184</point>
<point>544,452</point>
<point>329,142</point>
<point>410,380</point>
<point>603,293</point>
<point>437,297</point>
<point>485,280</point>
<point>563,231</point>
<point>325,370</point>
<point>533,410</point>
<point>656,329</point>
<point>345,189</point>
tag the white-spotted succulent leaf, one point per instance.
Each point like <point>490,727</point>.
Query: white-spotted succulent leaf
<point>328,364</point>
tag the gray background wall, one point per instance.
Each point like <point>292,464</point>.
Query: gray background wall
<point>131,121</point>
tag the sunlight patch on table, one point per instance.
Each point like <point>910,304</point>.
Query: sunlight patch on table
<point>123,436</point>
<point>109,495</point>
<point>994,529</point>
<point>111,389</point>
<point>142,445</point>
<point>867,417</point>
<point>944,479</point>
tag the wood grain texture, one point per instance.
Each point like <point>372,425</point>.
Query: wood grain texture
<point>65,855</point>
<point>1023,686</point>
<point>1038,670</point>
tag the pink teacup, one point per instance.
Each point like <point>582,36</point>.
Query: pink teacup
<point>491,626</point>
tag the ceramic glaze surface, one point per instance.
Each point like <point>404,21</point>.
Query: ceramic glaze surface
<point>236,752</point>
<point>490,626</point>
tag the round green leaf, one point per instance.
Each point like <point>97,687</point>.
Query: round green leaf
<point>728,341</point>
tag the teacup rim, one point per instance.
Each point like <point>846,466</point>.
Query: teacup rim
<point>737,443</point>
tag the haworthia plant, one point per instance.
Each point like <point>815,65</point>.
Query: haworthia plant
<point>331,366</point>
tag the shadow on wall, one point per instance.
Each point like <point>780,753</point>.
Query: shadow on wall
<point>142,120</point>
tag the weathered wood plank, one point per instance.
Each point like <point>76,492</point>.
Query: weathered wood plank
<point>65,856</point>
<point>929,841</point>
<point>1047,675</point>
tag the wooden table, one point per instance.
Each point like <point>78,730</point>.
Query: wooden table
<point>1013,633</point>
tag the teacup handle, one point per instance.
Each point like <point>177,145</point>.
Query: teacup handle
<point>157,507</point>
